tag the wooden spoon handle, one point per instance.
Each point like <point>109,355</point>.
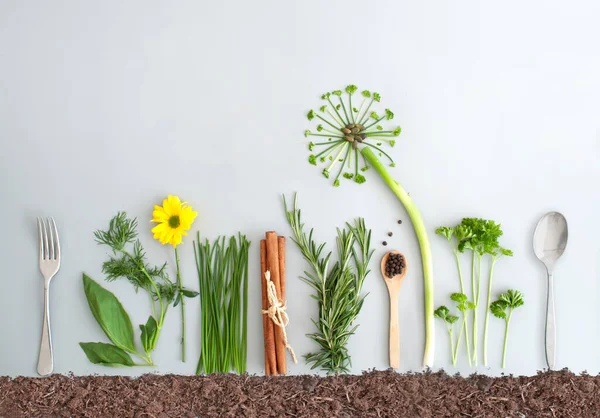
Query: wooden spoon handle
<point>394,332</point>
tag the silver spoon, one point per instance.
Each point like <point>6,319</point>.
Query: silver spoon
<point>549,242</point>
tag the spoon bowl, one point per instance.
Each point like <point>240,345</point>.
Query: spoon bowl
<point>549,243</point>
<point>550,238</point>
<point>393,284</point>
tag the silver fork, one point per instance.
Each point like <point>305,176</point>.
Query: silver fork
<point>49,265</point>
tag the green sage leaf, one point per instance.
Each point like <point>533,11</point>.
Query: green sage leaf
<point>177,299</point>
<point>148,336</point>
<point>110,314</point>
<point>106,354</point>
<point>189,293</point>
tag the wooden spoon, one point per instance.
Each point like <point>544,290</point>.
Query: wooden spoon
<point>393,285</point>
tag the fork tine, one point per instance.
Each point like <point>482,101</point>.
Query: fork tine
<point>50,240</point>
<point>41,238</point>
<point>45,233</point>
<point>56,241</point>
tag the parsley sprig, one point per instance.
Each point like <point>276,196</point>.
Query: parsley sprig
<point>503,309</point>
<point>481,237</point>
<point>443,313</point>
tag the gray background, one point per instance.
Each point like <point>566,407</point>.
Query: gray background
<point>108,106</point>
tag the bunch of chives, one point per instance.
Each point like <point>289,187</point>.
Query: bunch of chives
<point>223,278</point>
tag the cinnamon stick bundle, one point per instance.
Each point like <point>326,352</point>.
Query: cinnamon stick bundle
<point>269,336</point>
<point>273,260</point>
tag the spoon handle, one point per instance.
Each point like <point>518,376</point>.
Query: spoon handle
<point>394,332</point>
<point>550,324</point>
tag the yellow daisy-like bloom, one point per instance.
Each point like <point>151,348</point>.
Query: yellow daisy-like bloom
<point>174,219</point>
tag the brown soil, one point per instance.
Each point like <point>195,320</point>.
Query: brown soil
<point>374,394</point>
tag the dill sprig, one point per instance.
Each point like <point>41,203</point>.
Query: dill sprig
<point>337,289</point>
<point>129,262</point>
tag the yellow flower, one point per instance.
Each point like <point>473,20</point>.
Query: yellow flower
<point>174,219</point>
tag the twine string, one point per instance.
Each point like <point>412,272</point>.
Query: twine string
<point>276,312</point>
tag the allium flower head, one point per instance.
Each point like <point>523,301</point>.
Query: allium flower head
<point>347,128</point>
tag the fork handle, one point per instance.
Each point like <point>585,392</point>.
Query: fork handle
<point>45,359</point>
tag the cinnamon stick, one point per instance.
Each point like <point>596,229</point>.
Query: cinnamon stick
<point>269,335</point>
<point>281,248</point>
<point>273,267</point>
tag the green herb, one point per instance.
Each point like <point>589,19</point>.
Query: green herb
<point>464,305</point>
<point>510,300</point>
<point>223,277</point>
<point>480,237</point>
<point>361,133</point>
<point>129,262</point>
<point>106,354</point>
<point>496,254</point>
<point>337,289</point>
<point>443,313</point>
<point>114,321</point>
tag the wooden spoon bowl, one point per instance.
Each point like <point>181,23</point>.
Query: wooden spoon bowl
<point>393,284</point>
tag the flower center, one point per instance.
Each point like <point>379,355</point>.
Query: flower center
<point>352,133</point>
<point>174,222</point>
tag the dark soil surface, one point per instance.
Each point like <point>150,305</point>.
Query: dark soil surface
<point>374,394</point>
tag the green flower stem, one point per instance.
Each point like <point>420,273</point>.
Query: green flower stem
<point>392,142</point>
<point>366,167</point>
<point>180,287</point>
<point>335,119</point>
<point>355,163</point>
<point>350,155</point>
<point>375,123</point>
<point>332,132</point>
<point>380,150</point>
<point>326,136</point>
<point>358,116</point>
<point>342,166</point>
<point>365,117</point>
<point>330,154</point>
<point>421,232</point>
<point>379,132</point>
<point>333,145</point>
<point>506,337</point>
<point>337,157</point>
<point>350,106</point>
<point>327,143</point>
<point>487,311</point>
<point>382,136</point>
<point>327,122</point>
<point>335,109</point>
<point>344,109</point>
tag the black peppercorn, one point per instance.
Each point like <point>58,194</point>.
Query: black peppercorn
<point>394,265</point>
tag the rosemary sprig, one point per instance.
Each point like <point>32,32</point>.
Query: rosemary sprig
<point>337,289</point>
